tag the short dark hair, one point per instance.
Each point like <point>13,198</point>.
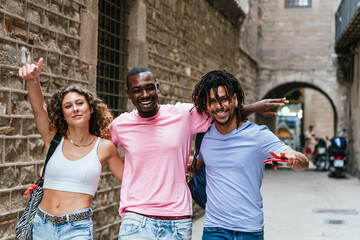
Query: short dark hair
<point>213,80</point>
<point>136,70</point>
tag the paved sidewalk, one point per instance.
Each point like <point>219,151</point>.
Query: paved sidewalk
<point>307,206</point>
<point>198,228</point>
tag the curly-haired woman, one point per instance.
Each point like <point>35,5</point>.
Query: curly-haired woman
<point>73,172</point>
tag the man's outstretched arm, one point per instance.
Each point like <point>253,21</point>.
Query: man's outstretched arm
<point>296,160</point>
<point>263,107</point>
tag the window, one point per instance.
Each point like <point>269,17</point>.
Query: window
<point>297,3</point>
<point>112,55</point>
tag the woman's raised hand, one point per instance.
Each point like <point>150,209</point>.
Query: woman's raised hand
<point>31,72</point>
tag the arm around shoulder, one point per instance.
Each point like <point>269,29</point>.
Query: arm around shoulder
<point>109,154</point>
<point>263,107</point>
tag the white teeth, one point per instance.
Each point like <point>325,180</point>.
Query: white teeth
<point>147,102</point>
<point>220,113</point>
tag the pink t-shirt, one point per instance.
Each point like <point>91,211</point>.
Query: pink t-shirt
<point>157,150</point>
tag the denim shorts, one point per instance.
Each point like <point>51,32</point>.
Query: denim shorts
<point>138,227</point>
<point>77,230</point>
<point>218,233</point>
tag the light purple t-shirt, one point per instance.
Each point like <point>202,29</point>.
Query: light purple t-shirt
<point>157,150</point>
<point>234,173</point>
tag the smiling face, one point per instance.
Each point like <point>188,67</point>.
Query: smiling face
<point>143,92</point>
<point>222,109</point>
<point>76,109</point>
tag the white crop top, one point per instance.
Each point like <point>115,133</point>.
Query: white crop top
<point>80,176</point>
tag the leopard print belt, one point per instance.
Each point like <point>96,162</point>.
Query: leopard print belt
<point>57,220</point>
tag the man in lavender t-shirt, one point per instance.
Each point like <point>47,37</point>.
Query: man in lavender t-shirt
<point>233,150</point>
<point>155,200</point>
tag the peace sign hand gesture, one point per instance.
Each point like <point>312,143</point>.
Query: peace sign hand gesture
<point>31,72</point>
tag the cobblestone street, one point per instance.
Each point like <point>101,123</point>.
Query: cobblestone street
<point>308,206</point>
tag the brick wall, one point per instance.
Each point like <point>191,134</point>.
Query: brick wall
<point>30,30</point>
<point>186,39</point>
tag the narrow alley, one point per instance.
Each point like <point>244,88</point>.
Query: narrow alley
<point>308,206</point>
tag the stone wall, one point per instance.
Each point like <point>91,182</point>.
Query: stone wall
<point>353,133</point>
<point>249,30</point>
<point>185,40</point>
<point>317,110</point>
<point>52,30</point>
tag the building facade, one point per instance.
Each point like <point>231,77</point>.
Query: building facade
<point>296,51</point>
<point>347,45</point>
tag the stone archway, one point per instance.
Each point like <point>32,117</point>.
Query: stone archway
<point>282,89</point>
<point>272,83</point>
<point>324,115</point>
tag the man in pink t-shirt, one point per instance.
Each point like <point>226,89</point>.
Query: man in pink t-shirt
<point>155,200</point>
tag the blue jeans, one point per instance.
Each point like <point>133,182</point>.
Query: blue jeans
<point>77,230</point>
<point>217,233</point>
<point>138,227</point>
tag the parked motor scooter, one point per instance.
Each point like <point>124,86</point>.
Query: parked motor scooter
<point>337,156</point>
<point>320,158</point>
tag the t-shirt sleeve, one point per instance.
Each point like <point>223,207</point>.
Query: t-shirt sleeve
<point>269,141</point>
<point>197,122</point>
<point>114,136</point>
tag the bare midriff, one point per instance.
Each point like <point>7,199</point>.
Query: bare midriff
<point>58,203</point>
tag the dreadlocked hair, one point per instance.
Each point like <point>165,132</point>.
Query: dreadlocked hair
<point>100,118</point>
<point>213,80</point>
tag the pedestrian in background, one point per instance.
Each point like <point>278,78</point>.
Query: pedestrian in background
<point>310,142</point>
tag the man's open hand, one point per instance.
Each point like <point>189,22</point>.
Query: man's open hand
<point>263,107</point>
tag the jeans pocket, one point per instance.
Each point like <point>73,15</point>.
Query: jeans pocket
<point>183,230</point>
<point>129,227</point>
<point>85,223</point>
<point>82,228</point>
<point>37,220</point>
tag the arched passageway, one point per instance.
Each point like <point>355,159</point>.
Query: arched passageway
<point>312,105</point>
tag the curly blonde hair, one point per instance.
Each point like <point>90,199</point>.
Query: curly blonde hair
<point>100,118</point>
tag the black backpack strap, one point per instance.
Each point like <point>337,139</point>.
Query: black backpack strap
<point>53,145</point>
<point>198,140</point>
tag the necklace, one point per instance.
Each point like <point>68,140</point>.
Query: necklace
<point>77,145</point>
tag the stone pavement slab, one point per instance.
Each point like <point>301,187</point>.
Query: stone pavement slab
<point>310,206</point>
